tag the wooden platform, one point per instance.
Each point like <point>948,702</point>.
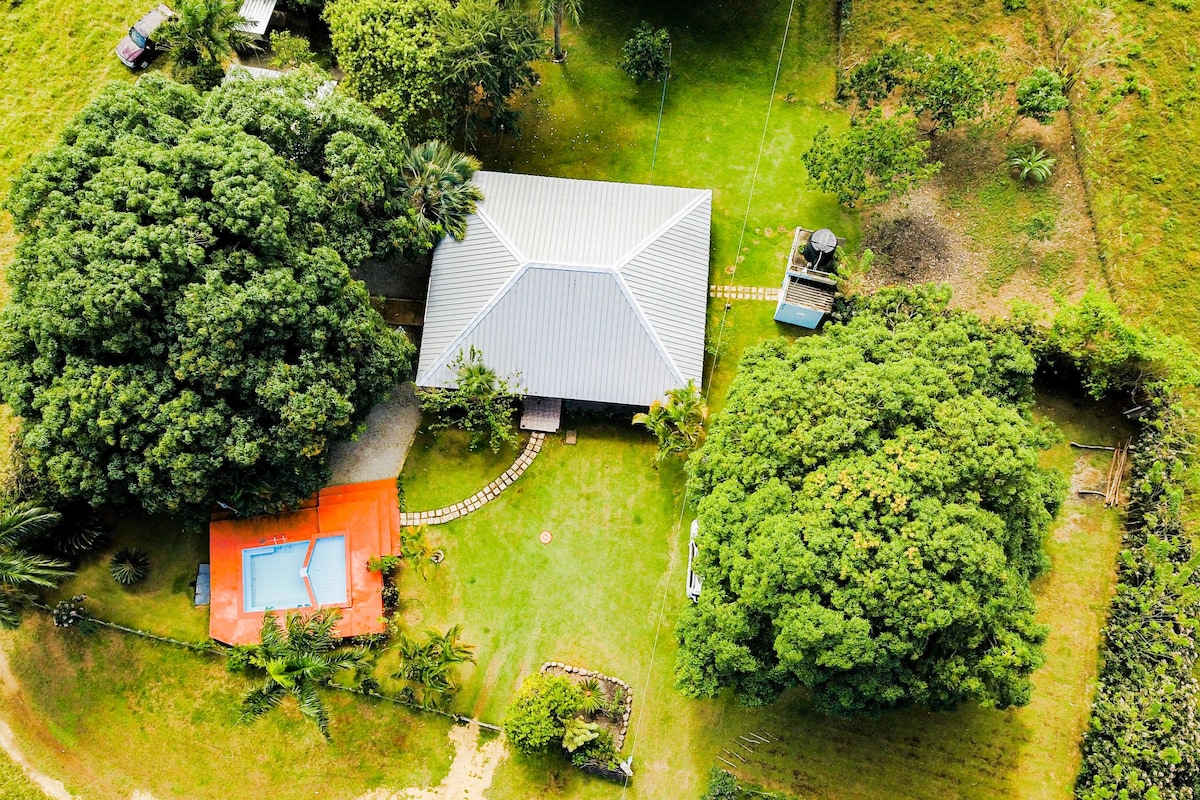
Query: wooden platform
<point>541,414</point>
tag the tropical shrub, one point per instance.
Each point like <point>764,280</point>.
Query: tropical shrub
<point>21,570</point>
<point>394,56</point>
<point>537,715</point>
<point>289,50</point>
<point>877,159</point>
<point>438,185</point>
<point>593,697</point>
<point>426,671</point>
<point>1041,95</point>
<point>721,786</point>
<point>129,566</point>
<point>895,458</point>
<point>481,403</point>
<point>678,424</point>
<point>577,732</point>
<point>294,658</point>
<point>646,56</point>
<point>1031,163</point>
<point>201,37</point>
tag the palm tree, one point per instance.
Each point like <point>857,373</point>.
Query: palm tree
<point>437,179</point>
<point>678,423</point>
<point>207,31</point>
<point>21,570</point>
<point>554,11</point>
<point>296,658</point>
<point>426,668</point>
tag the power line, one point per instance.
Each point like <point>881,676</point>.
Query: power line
<point>716,355</point>
<point>661,105</point>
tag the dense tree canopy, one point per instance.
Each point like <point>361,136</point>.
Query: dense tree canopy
<point>184,328</point>
<point>877,159</point>
<point>871,512</point>
<point>436,68</point>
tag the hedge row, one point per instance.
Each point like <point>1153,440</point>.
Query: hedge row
<point>1143,739</point>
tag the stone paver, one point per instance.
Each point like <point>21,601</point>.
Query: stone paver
<point>484,495</point>
<point>745,292</point>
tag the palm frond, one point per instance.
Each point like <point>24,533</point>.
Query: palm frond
<point>21,522</point>
<point>312,708</point>
<point>259,701</point>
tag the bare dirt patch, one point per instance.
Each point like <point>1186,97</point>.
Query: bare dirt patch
<point>470,773</point>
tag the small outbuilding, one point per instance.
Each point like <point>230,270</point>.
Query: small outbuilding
<point>584,290</point>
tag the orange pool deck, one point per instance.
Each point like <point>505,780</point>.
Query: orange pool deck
<point>367,514</point>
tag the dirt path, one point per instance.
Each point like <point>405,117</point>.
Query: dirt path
<point>51,787</point>
<point>470,773</point>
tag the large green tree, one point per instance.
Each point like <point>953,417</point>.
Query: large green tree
<point>490,49</point>
<point>877,159</point>
<point>436,69</point>
<point>183,326</point>
<point>871,513</point>
<point>395,59</point>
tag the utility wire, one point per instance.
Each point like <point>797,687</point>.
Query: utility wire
<point>716,355</point>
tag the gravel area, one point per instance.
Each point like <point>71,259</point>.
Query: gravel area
<point>379,452</point>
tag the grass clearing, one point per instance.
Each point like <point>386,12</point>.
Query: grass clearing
<point>111,714</point>
<point>593,596</point>
<point>993,250</point>
<point>14,783</point>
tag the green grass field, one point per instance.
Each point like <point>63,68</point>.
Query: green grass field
<point>14,784</point>
<point>594,594</point>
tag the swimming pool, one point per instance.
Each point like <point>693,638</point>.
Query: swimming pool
<point>278,576</point>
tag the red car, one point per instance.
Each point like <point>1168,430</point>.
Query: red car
<point>138,48</point>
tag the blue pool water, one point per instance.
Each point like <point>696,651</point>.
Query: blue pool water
<point>276,576</point>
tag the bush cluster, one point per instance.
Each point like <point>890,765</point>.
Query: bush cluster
<point>1143,739</point>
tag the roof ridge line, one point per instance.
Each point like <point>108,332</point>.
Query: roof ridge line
<point>501,237</point>
<point>627,293</point>
<point>658,233</point>
<point>456,344</point>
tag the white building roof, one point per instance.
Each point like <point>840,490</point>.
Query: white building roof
<point>257,14</point>
<point>585,290</point>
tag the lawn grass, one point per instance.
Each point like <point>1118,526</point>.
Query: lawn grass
<point>587,119</point>
<point>14,783</point>
<point>594,594</point>
<point>111,714</point>
<point>162,603</point>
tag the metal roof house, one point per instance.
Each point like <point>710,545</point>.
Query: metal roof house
<point>585,290</point>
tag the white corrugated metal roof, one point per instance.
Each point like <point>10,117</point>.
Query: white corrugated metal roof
<point>588,290</point>
<point>258,15</point>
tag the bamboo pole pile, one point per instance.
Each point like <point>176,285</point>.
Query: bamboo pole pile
<point>1116,470</point>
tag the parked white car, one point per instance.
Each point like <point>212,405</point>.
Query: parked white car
<point>694,581</point>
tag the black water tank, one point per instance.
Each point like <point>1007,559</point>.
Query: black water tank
<point>821,249</point>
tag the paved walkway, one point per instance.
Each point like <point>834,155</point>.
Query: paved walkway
<point>744,292</point>
<point>484,495</point>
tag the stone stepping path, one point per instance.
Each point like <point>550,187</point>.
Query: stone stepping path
<point>484,495</point>
<point>744,292</point>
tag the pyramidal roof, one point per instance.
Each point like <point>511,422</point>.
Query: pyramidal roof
<point>583,290</point>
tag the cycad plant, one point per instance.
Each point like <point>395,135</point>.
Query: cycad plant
<point>426,670</point>
<point>678,423</point>
<point>295,658</point>
<point>437,180</point>
<point>593,697</point>
<point>129,566</point>
<point>21,570</point>
<point>1032,163</point>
